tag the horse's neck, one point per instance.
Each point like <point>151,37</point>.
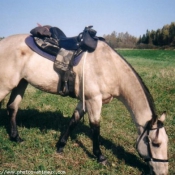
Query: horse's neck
<point>134,95</point>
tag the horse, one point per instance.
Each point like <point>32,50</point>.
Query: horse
<point>100,76</point>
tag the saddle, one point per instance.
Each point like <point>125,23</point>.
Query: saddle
<point>53,41</point>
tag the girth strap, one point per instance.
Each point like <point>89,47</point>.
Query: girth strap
<point>68,80</point>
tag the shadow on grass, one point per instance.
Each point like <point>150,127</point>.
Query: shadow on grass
<point>56,121</point>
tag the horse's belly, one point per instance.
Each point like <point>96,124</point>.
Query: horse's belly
<point>41,74</point>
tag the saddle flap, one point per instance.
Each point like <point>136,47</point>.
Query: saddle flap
<point>48,45</point>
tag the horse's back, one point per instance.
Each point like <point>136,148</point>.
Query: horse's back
<point>12,41</point>
<point>12,45</point>
<point>12,50</point>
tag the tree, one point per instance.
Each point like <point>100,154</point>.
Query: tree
<point>147,37</point>
<point>152,37</point>
<point>172,33</point>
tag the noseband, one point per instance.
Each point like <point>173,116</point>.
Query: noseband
<point>147,130</point>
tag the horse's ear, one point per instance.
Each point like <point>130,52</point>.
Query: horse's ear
<point>163,116</point>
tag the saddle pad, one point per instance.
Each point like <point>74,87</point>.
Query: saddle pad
<point>31,43</point>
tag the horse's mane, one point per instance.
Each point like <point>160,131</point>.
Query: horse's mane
<point>144,87</point>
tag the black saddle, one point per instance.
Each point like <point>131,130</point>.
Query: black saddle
<point>86,41</point>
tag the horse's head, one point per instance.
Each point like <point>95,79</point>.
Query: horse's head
<point>152,145</point>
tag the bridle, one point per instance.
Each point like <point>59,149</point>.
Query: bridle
<point>147,130</point>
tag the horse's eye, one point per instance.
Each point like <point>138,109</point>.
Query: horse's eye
<point>155,144</point>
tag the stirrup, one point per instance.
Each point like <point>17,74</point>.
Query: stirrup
<point>65,90</point>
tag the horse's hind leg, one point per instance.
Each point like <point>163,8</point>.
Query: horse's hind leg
<point>77,115</point>
<point>12,108</point>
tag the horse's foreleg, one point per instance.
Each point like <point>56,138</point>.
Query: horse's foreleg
<point>94,110</point>
<point>77,115</point>
<point>12,108</point>
<point>96,146</point>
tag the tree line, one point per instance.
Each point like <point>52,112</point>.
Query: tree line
<point>160,37</point>
<point>151,39</point>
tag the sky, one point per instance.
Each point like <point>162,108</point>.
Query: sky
<point>71,16</point>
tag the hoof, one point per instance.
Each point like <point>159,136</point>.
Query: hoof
<point>60,147</point>
<point>59,150</point>
<point>16,139</point>
<point>102,160</point>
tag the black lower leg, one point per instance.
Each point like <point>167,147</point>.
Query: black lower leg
<point>72,124</point>
<point>96,146</point>
<point>12,108</point>
<point>14,136</point>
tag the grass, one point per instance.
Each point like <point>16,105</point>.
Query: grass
<point>42,117</point>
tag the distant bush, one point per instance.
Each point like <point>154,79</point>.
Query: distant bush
<point>146,46</point>
<point>121,40</point>
<point>1,38</point>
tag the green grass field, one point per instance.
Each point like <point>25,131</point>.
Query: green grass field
<point>42,117</point>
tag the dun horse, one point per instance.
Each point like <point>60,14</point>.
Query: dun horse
<point>106,76</point>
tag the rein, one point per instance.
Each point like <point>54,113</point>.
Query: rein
<point>84,60</point>
<point>147,130</point>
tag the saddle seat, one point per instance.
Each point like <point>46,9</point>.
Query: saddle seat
<point>68,43</point>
